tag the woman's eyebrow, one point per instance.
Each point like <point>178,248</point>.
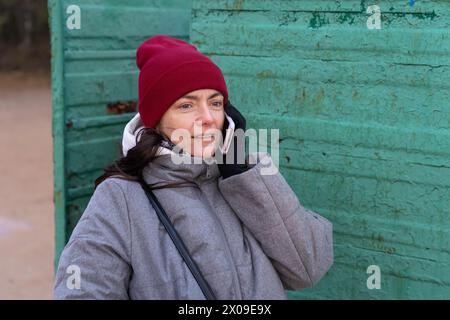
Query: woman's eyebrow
<point>196,97</point>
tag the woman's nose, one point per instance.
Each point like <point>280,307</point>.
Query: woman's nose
<point>206,115</point>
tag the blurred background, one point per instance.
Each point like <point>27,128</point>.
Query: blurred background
<point>26,204</point>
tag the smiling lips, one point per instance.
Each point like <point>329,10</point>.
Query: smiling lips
<point>206,137</point>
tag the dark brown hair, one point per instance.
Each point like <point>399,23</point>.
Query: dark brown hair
<point>131,166</point>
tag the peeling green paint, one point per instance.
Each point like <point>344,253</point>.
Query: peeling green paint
<point>318,20</point>
<point>364,5</point>
<point>236,5</point>
<point>346,16</point>
<point>425,15</point>
<point>265,74</point>
<point>363,134</point>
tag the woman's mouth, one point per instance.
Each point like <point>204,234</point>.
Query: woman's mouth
<point>206,137</point>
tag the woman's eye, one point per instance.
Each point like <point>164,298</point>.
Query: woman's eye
<point>217,104</point>
<point>185,106</point>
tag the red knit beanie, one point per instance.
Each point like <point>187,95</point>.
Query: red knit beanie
<point>169,69</point>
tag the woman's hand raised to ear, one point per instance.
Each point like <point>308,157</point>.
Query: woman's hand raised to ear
<point>230,166</point>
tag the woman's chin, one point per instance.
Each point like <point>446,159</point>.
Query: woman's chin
<point>206,152</point>
<point>207,149</point>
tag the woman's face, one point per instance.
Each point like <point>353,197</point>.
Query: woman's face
<point>200,116</point>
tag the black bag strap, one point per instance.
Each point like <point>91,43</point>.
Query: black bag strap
<point>179,244</point>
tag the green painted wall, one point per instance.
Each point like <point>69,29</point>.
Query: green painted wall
<point>364,126</point>
<point>364,117</point>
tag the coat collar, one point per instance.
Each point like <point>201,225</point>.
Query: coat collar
<point>171,168</point>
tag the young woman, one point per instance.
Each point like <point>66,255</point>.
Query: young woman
<point>246,230</point>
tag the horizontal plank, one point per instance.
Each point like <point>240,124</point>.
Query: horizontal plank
<point>401,45</point>
<point>96,87</point>
<point>91,155</point>
<point>127,21</point>
<point>371,135</point>
<point>329,191</point>
<point>401,277</point>
<point>318,6</point>
<point>99,121</point>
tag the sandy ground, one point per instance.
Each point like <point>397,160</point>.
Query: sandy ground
<point>26,189</point>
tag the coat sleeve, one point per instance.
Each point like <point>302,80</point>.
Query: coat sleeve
<point>95,262</point>
<point>297,241</point>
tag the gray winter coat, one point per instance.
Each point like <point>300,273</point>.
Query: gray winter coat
<point>249,235</point>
